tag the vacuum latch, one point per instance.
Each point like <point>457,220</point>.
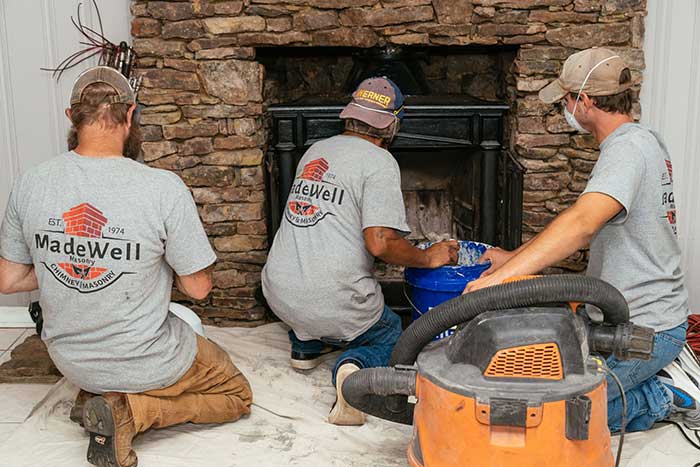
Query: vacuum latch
<point>578,417</point>
<point>508,412</point>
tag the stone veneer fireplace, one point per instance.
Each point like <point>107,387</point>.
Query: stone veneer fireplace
<point>209,95</point>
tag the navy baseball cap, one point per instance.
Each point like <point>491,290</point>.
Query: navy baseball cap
<point>377,101</point>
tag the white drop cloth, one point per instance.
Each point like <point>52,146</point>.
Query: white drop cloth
<point>287,426</point>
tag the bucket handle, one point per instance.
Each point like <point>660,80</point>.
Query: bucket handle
<point>410,302</point>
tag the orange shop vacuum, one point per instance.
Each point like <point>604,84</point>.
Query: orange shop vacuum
<point>516,385</point>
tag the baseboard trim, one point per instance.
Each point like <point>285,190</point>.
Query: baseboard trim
<point>15,317</point>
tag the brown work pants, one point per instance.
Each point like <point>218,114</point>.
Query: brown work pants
<point>212,391</point>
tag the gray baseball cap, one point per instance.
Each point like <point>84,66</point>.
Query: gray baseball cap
<point>377,101</point>
<point>107,75</point>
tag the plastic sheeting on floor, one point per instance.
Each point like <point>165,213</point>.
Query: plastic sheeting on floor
<point>287,426</point>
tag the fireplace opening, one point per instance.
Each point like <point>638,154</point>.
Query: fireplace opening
<point>457,175</point>
<point>332,73</point>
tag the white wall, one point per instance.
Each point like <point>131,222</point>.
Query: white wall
<point>35,34</point>
<point>671,104</point>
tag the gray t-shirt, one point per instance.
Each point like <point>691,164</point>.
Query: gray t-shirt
<point>318,277</point>
<point>638,250</point>
<point>104,236</point>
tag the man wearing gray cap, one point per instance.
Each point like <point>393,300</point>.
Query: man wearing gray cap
<point>103,237</point>
<point>628,217</point>
<point>345,208</point>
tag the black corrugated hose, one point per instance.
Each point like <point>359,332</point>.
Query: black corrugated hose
<point>378,400</point>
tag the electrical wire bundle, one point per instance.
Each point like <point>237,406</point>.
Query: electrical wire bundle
<point>693,333</point>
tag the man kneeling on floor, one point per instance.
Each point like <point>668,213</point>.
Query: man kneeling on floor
<point>627,215</point>
<point>101,237</point>
<point>344,209</point>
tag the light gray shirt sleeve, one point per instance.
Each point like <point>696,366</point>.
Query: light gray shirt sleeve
<point>187,248</point>
<point>382,200</point>
<point>12,243</point>
<point>618,174</point>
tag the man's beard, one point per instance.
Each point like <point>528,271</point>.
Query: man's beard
<point>132,144</point>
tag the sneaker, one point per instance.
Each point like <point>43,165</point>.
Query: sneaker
<point>343,413</point>
<point>76,412</point>
<point>110,422</point>
<point>308,361</point>
<point>684,393</point>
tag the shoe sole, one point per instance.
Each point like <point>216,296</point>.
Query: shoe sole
<point>98,420</point>
<point>306,365</point>
<point>343,413</point>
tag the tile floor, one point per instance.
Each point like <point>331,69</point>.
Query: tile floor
<point>16,400</point>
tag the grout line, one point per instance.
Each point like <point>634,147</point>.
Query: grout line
<point>19,339</point>
<point>14,343</point>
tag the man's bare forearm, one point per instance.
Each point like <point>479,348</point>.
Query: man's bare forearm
<point>401,252</point>
<point>16,277</point>
<point>29,283</point>
<point>563,237</point>
<point>389,246</point>
<point>180,286</point>
<point>567,233</point>
<point>196,285</point>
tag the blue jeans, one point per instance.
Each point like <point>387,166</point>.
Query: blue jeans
<point>647,400</point>
<point>371,349</point>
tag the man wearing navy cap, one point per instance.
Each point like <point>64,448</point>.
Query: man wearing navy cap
<point>345,208</point>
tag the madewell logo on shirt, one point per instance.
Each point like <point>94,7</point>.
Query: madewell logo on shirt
<point>85,249</point>
<point>308,190</point>
<point>668,201</point>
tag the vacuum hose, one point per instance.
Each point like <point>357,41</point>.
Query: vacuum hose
<point>369,388</point>
<point>625,341</point>
<point>531,292</point>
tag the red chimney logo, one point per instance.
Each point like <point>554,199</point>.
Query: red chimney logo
<point>84,220</point>
<point>301,208</point>
<point>83,272</point>
<point>315,170</point>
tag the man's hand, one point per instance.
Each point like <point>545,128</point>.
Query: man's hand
<point>443,253</point>
<point>498,257</point>
<point>483,282</point>
<point>391,247</point>
<point>17,277</point>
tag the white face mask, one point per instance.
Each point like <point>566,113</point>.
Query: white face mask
<point>570,118</point>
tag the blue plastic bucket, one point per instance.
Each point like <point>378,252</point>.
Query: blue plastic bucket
<point>431,287</point>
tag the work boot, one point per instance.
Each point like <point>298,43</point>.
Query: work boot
<point>110,422</point>
<point>76,413</point>
<point>343,413</point>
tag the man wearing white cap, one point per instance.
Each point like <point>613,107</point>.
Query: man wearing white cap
<point>628,217</point>
<point>103,238</point>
